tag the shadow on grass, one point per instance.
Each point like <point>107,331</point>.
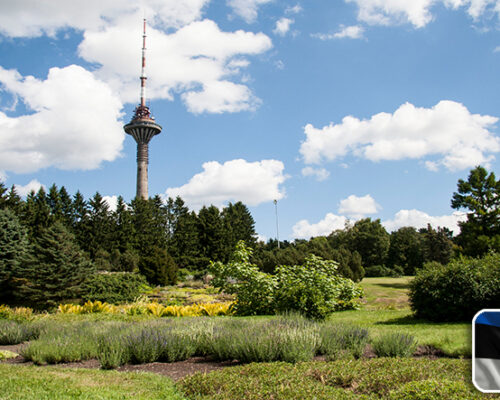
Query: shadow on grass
<point>411,320</point>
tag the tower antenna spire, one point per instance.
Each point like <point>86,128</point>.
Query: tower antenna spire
<point>143,71</point>
<point>142,128</point>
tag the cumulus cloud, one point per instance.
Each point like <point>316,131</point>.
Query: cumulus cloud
<point>252,183</point>
<point>350,32</point>
<point>420,219</point>
<point>305,230</point>
<point>247,9</point>
<point>283,26</point>
<point>417,12</point>
<point>199,60</point>
<point>74,123</point>
<point>321,174</point>
<point>186,54</point>
<point>358,207</point>
<point>28,18</point>
<point>448,133</point>
<point>32,186</point>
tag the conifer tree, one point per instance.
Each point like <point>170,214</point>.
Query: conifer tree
<point>14,201</point>
<point>56,269</point>
<point>14,247</point>
<point>238,225</point>
<point>211,235</point>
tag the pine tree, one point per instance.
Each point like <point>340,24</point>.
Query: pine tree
<point>238,225</point>
<point>211,235</point>
<point>98,227</point>
<point>56,269</point>
<point>14,247</point>
<point>14,201</point>
<point>184,246</point>
<point>3,196</point>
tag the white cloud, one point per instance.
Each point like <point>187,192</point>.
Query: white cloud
<point>33,185</point>
<point>247,9</point>
<point>388,12</point>
<point>28,18</point>
<point>74,124</point>
<point>111,201</point>
<point>351,32</point>
<point>283,26</point>
<point>420,219</point>
<point>448,132</point>
<point>196,61</point>
<point>252,183</point>
<point>321,174</point>
<point>186,55</point>
<point>296,9</point>
<point>417,12</point>
<point>305,230</point>
<point>358,207</point>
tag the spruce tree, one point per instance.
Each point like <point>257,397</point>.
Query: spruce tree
<point>14,247</point>
<point>56,269</point>
<point>211,235</point>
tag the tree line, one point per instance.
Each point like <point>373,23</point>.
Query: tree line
<point>158,238</point>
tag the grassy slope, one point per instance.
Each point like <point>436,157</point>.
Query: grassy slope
<point>386,309</point>
<point>52,383</point>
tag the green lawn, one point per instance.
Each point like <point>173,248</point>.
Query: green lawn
<point>385,293</point>
<point>53,383</point>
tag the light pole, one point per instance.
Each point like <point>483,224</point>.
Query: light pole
<point>277,225</point>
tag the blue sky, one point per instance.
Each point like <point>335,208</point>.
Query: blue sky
<point>339,109</point>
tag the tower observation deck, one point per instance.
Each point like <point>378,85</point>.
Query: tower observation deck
<point>142,128</point>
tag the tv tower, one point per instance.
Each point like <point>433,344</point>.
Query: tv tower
<point>142,127</point>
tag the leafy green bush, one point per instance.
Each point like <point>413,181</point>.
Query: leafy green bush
<point>341,341</point>
<point>457,291</point>
<point>254,290</point>
<point>313,289</point>
<point>394,344</point>
<point>114,288</point>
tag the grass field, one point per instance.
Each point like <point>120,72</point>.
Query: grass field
<point>385,309</point>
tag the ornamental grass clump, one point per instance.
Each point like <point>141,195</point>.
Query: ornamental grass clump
<point>265,341</point>
<point>159,342</point>
<point>342,341</point>
<point>395,344</point>
<point>69,343</point>
<point>12,332</point>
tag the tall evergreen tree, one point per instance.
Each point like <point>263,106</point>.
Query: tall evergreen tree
<point>211,235</point>
<point>66,208</point>
<point>56,269</point>
<point>3,196</point>
<point>184,244</point>
<point>99,227</point>
<point>238,225</point>
<point>436,244</point>
<point>14,201</point>
<point>14,247</point>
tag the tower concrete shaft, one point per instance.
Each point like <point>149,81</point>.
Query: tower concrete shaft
<point>142,128</point>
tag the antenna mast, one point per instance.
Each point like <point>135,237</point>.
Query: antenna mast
<point>143,73</point>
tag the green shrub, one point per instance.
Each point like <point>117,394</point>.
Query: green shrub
<point>254,290</point>
<point>114,288</point>
<point>340,341</point>
<point>394,344</point>
<point>456,292</point>
<point>313,289</point>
